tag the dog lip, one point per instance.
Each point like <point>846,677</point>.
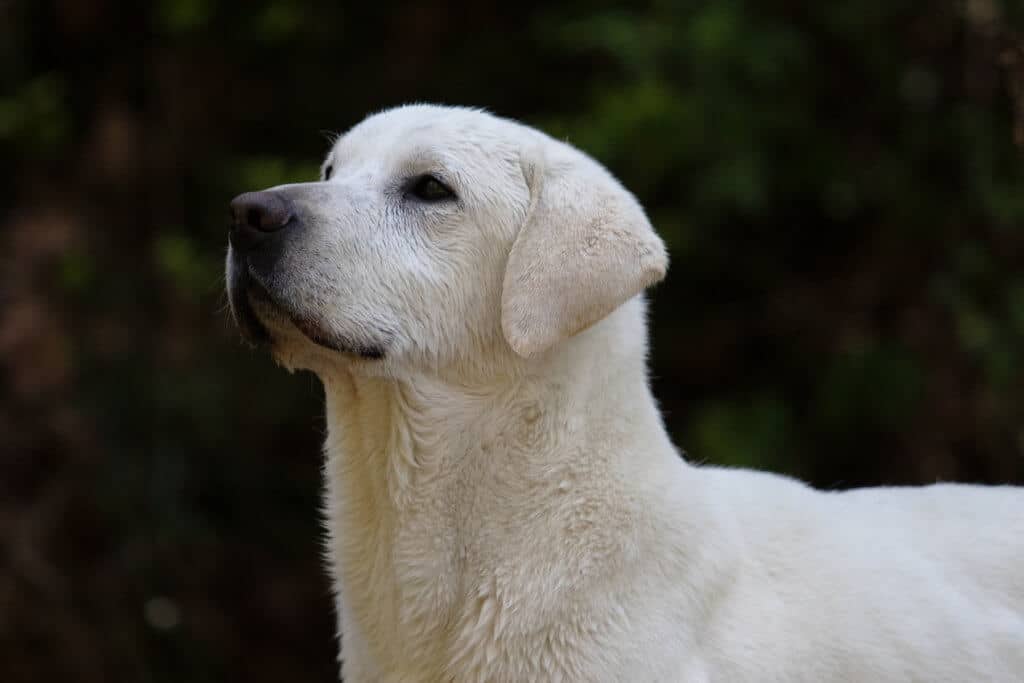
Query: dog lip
<point>313,332</point>
<point>247,289</point>
<point>316,334</point>
<point>240,292</point>
<point>247,294</point>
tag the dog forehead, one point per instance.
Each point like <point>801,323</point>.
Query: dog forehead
<point>403,133</point>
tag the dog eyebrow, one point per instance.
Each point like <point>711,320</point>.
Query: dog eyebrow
<point>421,161</point>
<point>420,156</point>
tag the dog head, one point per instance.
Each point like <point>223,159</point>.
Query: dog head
<point>435,236</point>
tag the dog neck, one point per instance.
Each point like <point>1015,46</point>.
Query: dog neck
<point>433,483</point>
<point>414,431</point>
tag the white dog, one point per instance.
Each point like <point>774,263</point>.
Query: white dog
<point>502,499</point>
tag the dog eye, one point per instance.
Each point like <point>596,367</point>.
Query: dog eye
<point>427,188</point>
<point>328,171</point>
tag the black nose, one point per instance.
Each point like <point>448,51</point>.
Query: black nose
<point>256,216</point>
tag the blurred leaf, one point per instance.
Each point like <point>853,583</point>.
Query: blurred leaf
<point>279,21</point>
<point>178,259</point>
<point>755,432</point>
<point>76,272</point>
<point>182,16</point>
<point>871,386</point>
<point>36,115</point>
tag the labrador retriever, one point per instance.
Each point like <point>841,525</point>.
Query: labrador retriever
<point>502,500</point>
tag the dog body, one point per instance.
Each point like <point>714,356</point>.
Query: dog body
<point>503,502</point>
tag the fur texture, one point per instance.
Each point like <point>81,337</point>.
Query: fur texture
<point>502,500</point>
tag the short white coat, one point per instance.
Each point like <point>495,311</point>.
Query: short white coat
<point>502,500</point>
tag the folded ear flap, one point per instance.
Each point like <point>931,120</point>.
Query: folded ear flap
<point>585,249</point>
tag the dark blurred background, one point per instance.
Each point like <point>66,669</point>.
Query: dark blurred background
<point>841,185</point>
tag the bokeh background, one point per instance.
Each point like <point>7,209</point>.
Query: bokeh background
<point>841,185</point>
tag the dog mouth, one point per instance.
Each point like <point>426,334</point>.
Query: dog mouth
<point>256,311</point>
<point>243,291</point>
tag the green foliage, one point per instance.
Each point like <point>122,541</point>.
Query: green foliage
<point>76,272</point>
<point>35,116</point>
<point>178,258</point>
<point>753,432</point>
<point>878,387</point>
<point>182,16</point>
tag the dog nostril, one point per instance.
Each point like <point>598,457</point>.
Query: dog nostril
<point>256,216</point>
<point>266,211</point>
<point>253,217</point>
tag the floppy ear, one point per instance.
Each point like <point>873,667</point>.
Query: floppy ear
<point>585,248</point>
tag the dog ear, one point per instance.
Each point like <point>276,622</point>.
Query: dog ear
<point>585,248</point>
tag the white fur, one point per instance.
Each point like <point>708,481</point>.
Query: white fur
<point>504,516</point>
